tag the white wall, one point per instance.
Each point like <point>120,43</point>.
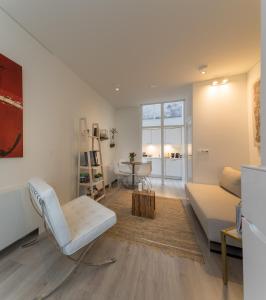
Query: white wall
<point>129,132</point>
<point>252,77</point>
<point>54,99</point>
<point>220,124</point>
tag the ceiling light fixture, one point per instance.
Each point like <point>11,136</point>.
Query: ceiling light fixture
<point>117,89</point>
<point>225,81</point>
<point>203,69</point>
<point>220,82</point>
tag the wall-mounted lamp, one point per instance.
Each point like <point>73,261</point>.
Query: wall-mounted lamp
<point>220,82</point>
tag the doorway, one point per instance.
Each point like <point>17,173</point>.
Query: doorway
<point>163,140</point>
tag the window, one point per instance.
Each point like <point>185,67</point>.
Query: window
<point>173,113</point>
<point>162,138</point>
<point>151,115</point>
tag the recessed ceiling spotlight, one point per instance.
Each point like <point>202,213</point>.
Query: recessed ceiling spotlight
<point>117,89</point>
<point>225,81</point>
<point>220,82</point>
<point>153,86</point>
<point>203,69</point>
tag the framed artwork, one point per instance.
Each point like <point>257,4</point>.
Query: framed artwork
<point>11,109</point>
<point>256,112</point>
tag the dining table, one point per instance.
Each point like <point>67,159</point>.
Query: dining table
<point>132,164</point>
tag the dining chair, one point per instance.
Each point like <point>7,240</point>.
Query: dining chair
<point>121,175</point>
<point>124,168</point>
<point>73,226</point>
<point>143,172</point>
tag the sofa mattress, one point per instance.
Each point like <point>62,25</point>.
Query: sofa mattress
<point>214,207</point>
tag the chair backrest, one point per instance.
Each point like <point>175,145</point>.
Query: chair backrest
<point>144,169</point>
<point>124,168</point>
<point>115,167</point>
<point>54,216</point>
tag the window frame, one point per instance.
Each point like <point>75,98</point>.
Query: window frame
<point>162,127</point>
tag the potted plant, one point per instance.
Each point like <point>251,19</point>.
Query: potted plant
<point>132,156</point>
<point>98,177</point>
<point>113,132</point>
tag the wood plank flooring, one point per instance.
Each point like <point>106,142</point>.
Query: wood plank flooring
<point>140,273</point>
<point>171,189</point>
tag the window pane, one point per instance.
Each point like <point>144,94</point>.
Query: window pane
<point>151,149</point>
<point>173,113</point>
<point>151,115</point>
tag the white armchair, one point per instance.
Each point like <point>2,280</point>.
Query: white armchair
<point>74,225</point>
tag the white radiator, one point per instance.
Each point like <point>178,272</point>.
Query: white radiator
<point>17,216</point>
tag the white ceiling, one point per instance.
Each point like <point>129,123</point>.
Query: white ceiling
<point>139,43</point>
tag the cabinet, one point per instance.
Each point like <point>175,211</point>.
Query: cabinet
<point>173,136</point>
<point>156,136</point>
<point>151,136</point>
<point>156,165</point>
<point>146,136</point>
<point>174,167</point>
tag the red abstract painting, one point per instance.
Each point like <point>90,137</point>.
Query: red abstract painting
<point>11,109</point>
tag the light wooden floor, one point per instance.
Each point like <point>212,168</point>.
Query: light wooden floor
<point>171,188</point>
<point>140,273</point>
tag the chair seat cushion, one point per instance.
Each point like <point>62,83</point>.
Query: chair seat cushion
<point>87,219</point>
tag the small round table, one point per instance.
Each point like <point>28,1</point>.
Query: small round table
<point>133,164</point>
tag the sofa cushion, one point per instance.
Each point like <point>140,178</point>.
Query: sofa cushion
<point>214,207</point>
<point>231,181</point>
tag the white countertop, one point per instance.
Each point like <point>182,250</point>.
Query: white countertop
<point>160,158</point>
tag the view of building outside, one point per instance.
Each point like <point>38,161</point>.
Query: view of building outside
<point>173,114</point>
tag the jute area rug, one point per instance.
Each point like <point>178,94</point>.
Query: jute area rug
<point>169,232</point>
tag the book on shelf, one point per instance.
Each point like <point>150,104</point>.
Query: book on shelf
<point>94,158</point>
<point>84,162</point>
<point>96,192</point>
<point>84,178</point>
<point>95,132</point>
<point>84,159</point>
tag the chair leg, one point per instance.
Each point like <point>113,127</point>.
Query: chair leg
<point>149,180</point>
<point>77,262</point>
<point>107,261</point>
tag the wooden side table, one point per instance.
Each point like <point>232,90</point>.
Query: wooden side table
<point>143,204</point>
<point>232,233</point>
